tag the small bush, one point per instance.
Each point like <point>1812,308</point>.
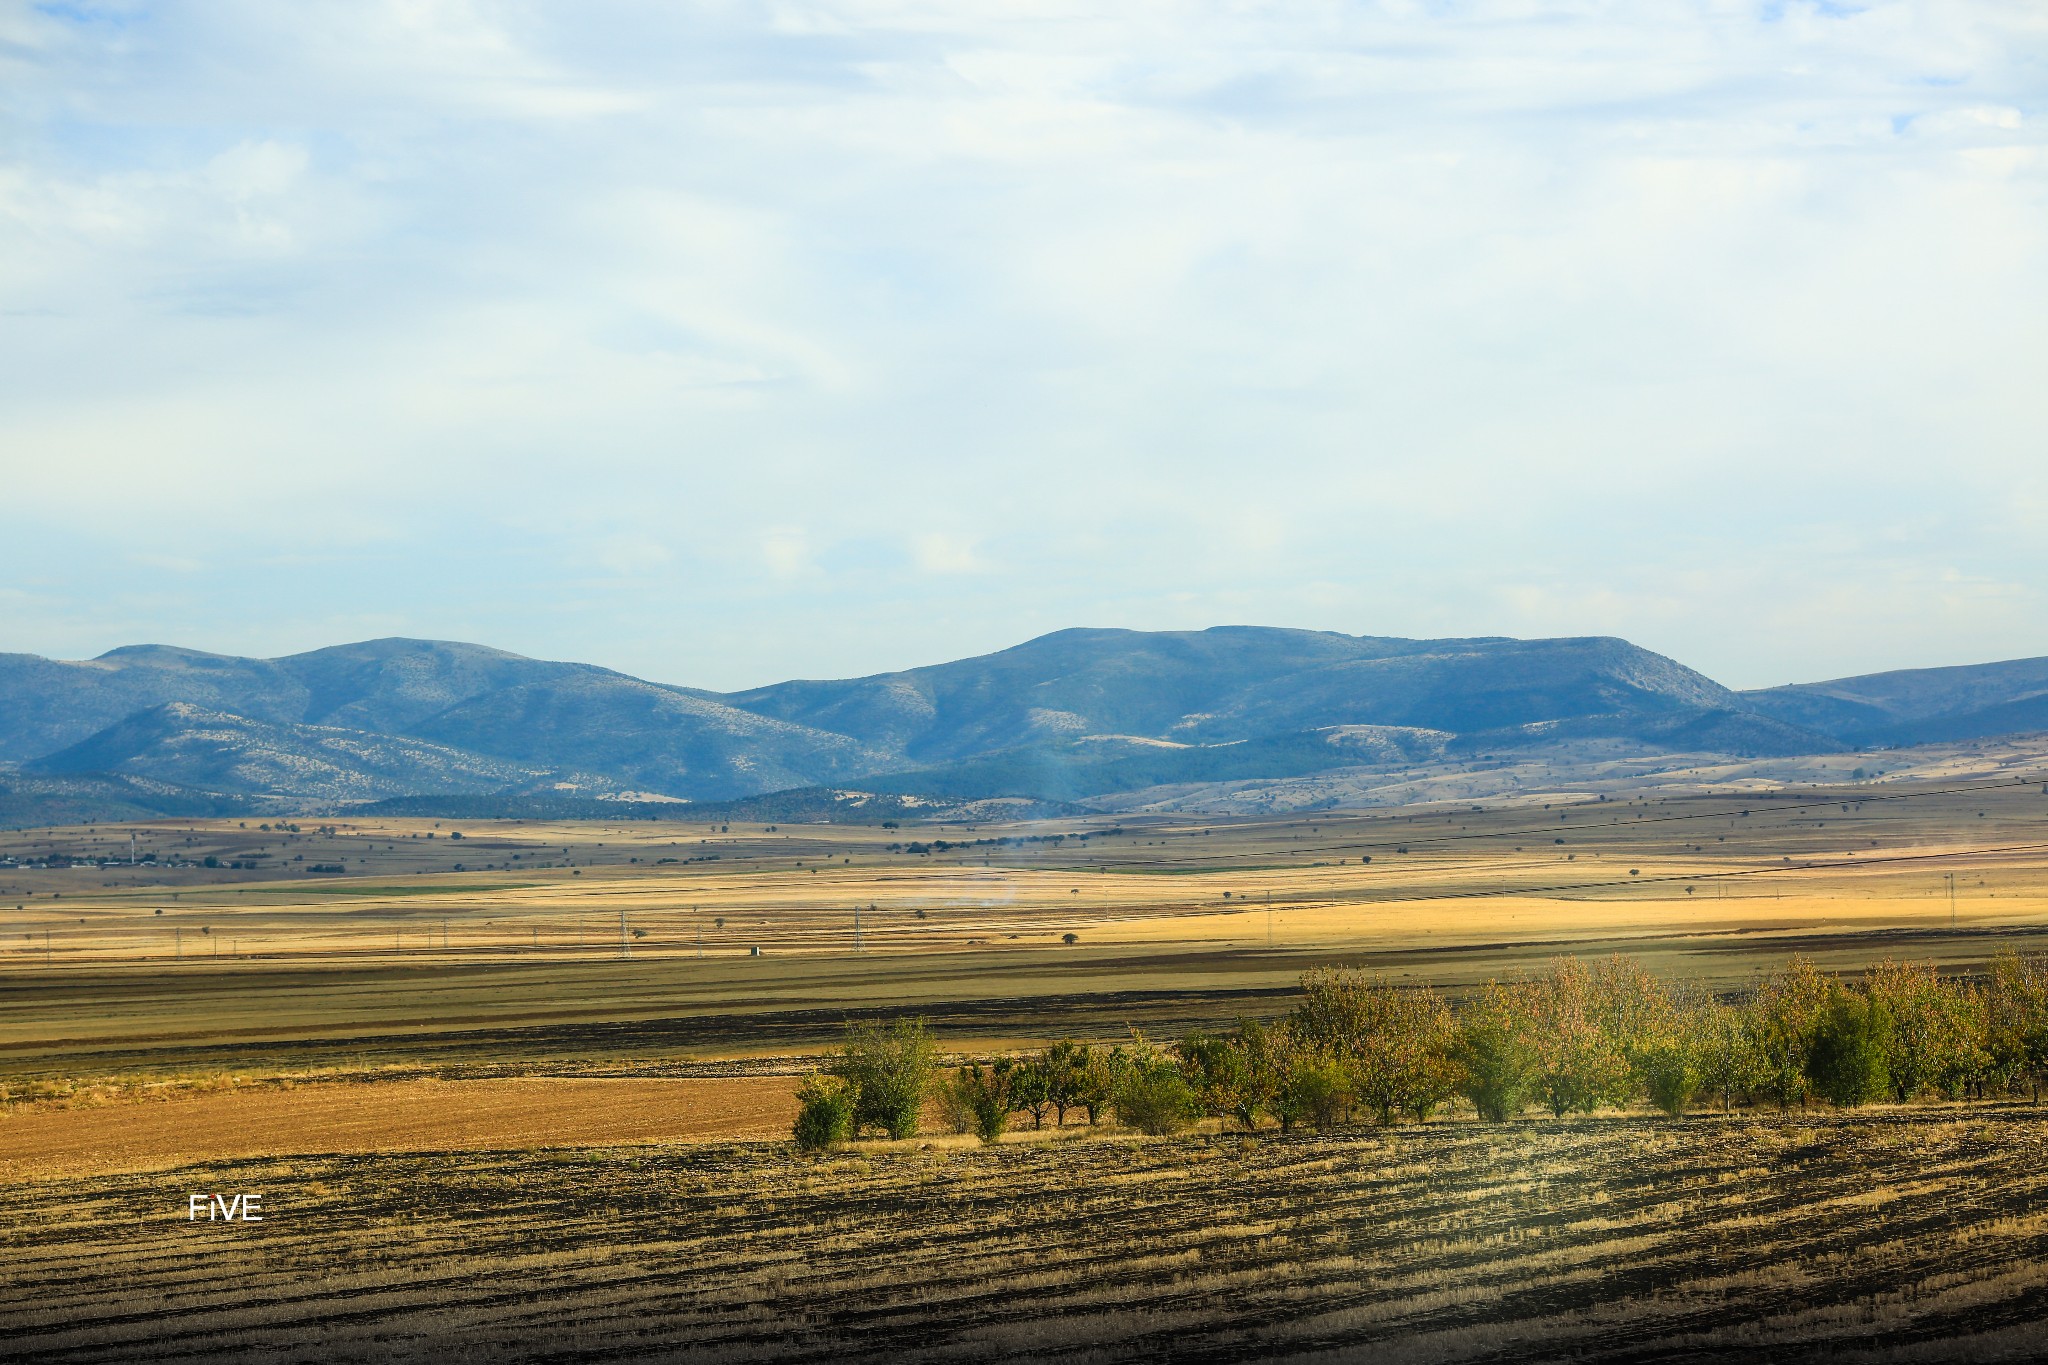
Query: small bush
<point>982,1096</point>
<point>825,1117</point>
<point>1153,1097</point>
<point>1669,1075</point>
<point>1319,1091</point>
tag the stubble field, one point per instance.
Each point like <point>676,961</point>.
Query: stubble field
<point>1901,1235</point>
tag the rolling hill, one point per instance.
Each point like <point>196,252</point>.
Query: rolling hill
<point>1077,714</point>
<point>1236,683</point>
<point>1917,705</point>
<point>184,745</point>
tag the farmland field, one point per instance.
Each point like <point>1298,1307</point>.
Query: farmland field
<point>1889,1235</point>
<point>522,1094</point>
<point>612,946</point>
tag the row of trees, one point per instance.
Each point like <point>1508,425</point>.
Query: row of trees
<point>1575,1038</point>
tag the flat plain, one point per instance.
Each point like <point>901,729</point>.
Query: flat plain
<point>635,943</point>
<point>516,1095</point>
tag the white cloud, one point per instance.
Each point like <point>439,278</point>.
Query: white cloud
<point>941,553</point>
<point>1352,316</point>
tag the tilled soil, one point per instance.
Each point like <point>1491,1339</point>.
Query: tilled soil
<point>427,1115</point>
<point>1893,1235</point>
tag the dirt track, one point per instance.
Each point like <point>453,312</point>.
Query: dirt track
<point>396,1116</point>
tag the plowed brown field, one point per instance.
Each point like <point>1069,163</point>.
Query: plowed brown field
<point>391,1116</point>
<point>1883,1236</point>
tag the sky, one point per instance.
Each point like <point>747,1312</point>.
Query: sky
<point>725,343</point>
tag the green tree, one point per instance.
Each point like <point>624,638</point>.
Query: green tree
<point>1393,1043</point>
<point>982,1093</point>
<point>1669,1074</point>
<point>1066,1071</point>
<point>1268,1056</point>
<point>1781,1017</point>
<point>1094,1083</point>
<point>2014,1031</point>
<point>1580,1059</point>
<point>1217,1072</point>
<point>1726,1052</point>
<point>1845,1060</point>
<point>889,1069</point>
<point>1495,1061</point>
<point>1318,1090</point>
<point>1934,1042</point>
<point>1031,1090</point>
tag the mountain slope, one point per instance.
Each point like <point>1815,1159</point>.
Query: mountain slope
<point>46,704</point>
<point>1238,683</point>
<point>186,745</point>
<point>656,738</point>
<point>535,714</point>
<point>29,799</point>
<point>1073,714</point>
<point>1917,705</point>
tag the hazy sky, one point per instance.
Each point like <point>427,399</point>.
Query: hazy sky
<point>726,343</point>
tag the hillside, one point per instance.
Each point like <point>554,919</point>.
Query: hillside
<point>185,745</point>
<point>1236,683</point>
<point>28,799</point>
<point>1079,714</point>
<point>1916,705</point>
<point>643,735</point>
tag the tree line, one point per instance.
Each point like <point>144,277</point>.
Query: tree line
<point>1578,1036</point>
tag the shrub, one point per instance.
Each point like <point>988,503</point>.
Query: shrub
<point>1152,1096</point>
<point>824,1118</point>
<point>982,1094</point>
<point>1318,1090</point>
<point>1669,1075</point>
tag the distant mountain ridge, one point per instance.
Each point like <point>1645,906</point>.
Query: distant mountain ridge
<point>1917,705</point>
<point>1071,715</point>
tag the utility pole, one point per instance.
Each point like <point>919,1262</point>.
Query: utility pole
<point>857,946</point>
<point>1269,919</point>
<point>1951,902</point>
<point>625,944</point>
<point>181,943</point>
